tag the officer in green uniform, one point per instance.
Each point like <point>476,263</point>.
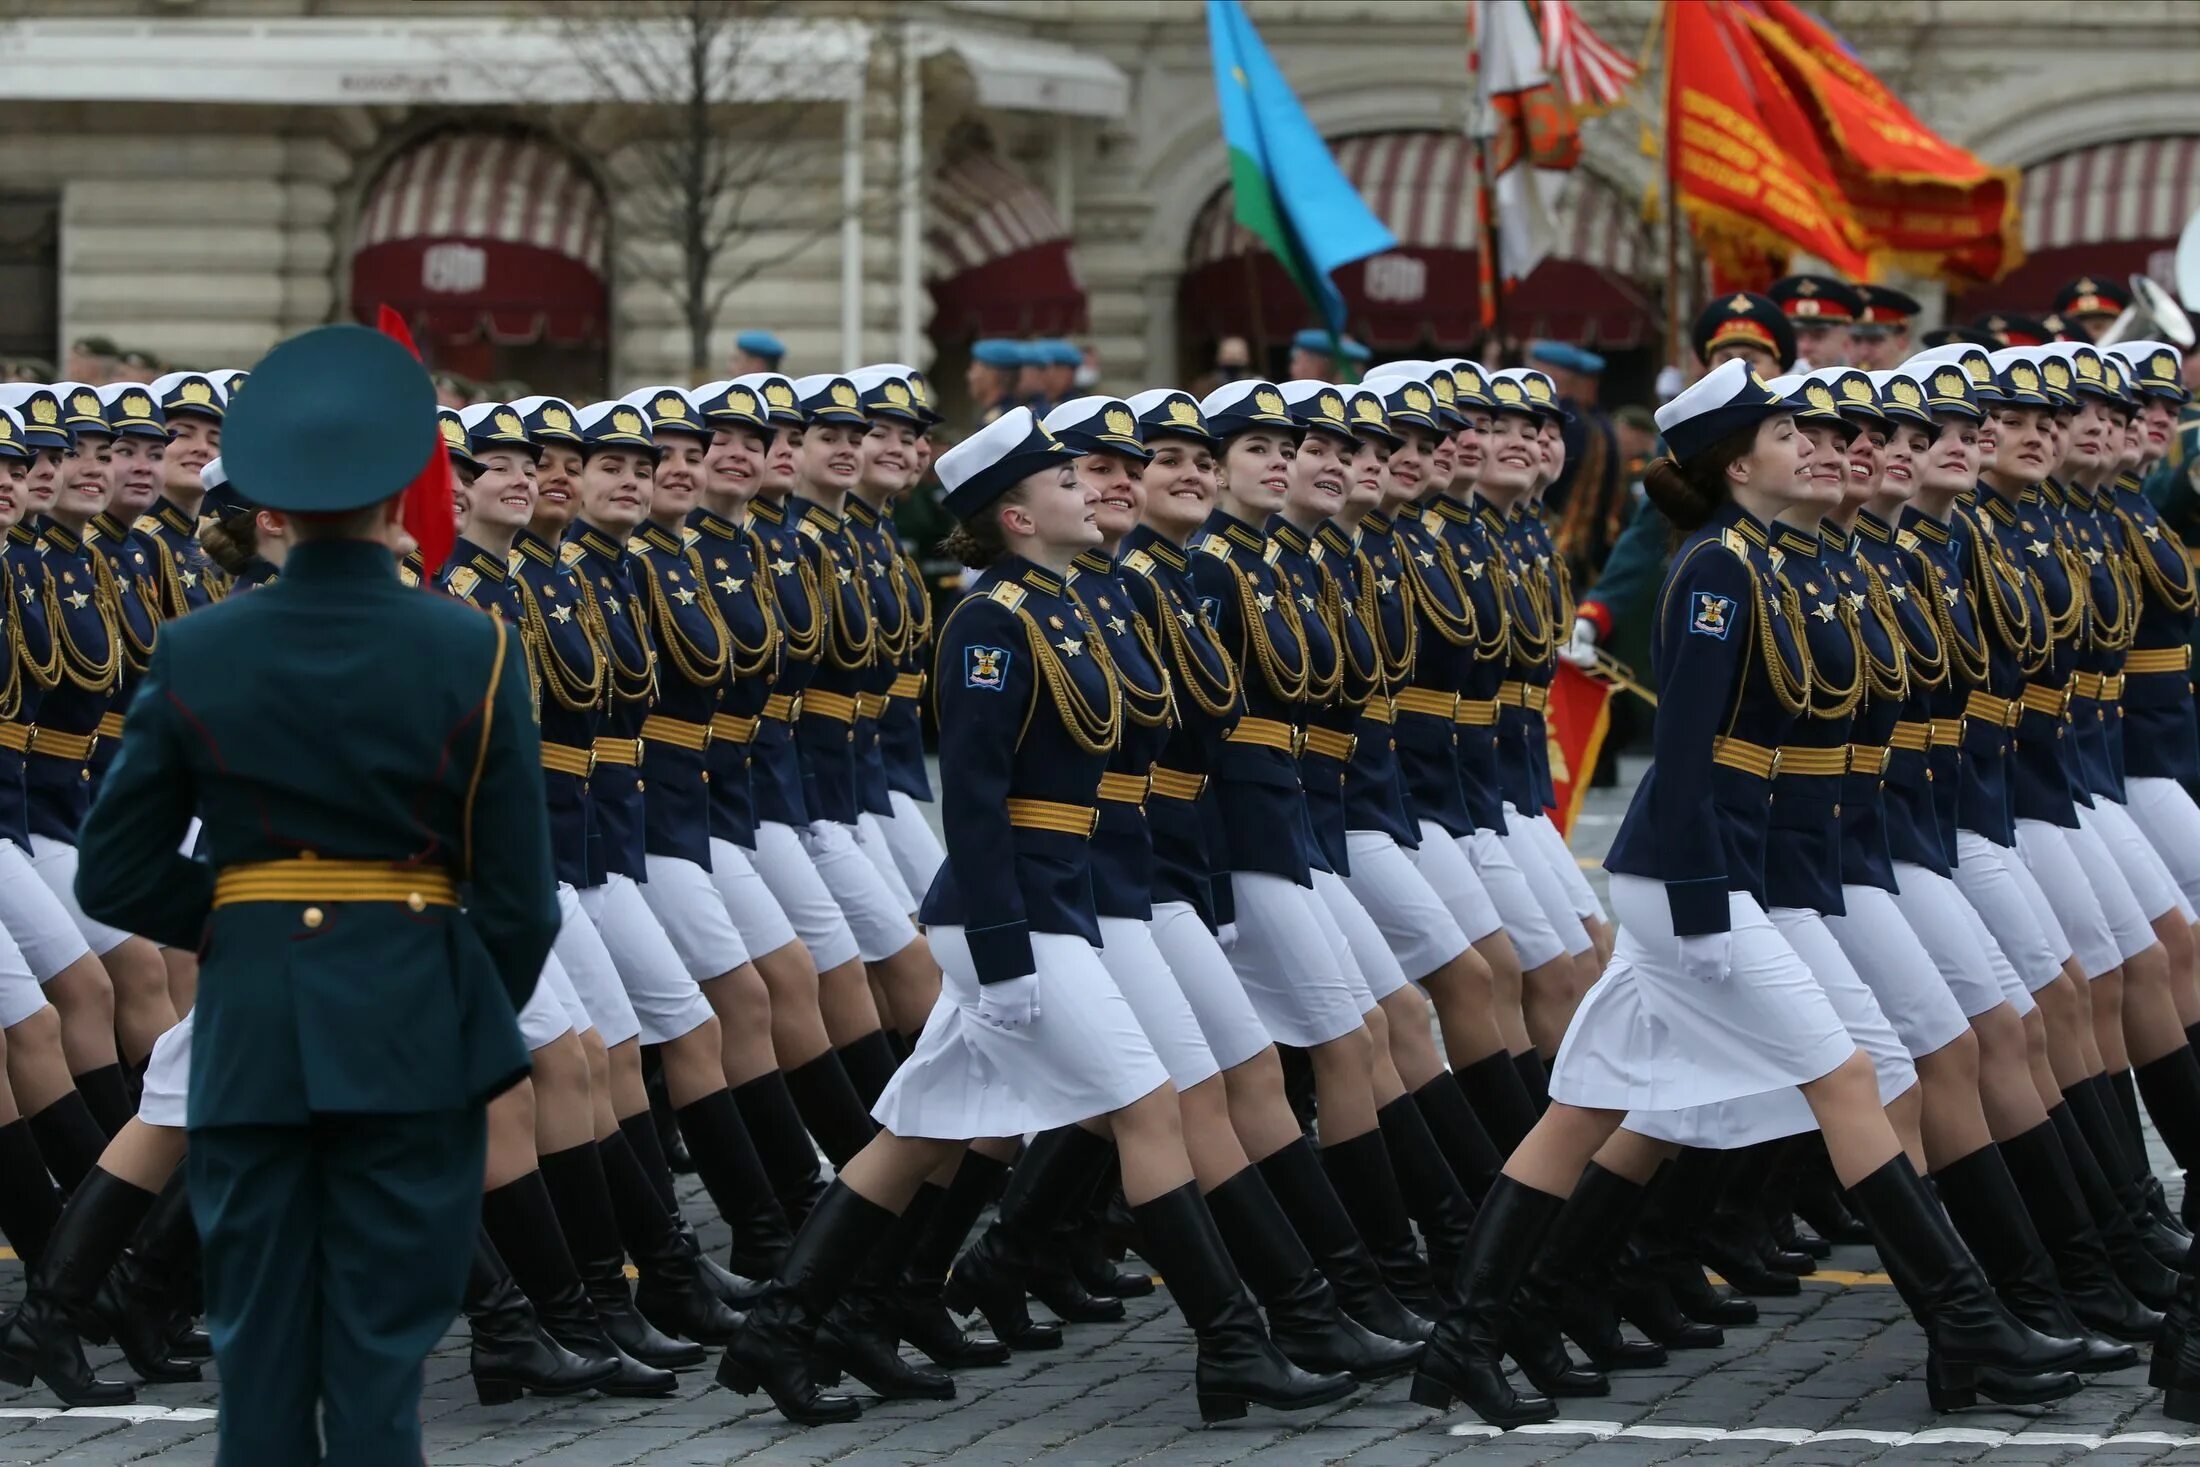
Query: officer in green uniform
<point>374,907</point>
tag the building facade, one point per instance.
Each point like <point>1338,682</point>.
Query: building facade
<point>198,178</point>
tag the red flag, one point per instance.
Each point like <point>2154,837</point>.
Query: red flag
<point>430,510</point>
<point>1579,716</point>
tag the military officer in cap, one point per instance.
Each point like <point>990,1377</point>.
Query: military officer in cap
<point>995,362</point>
<point>1879,338</point>
<point>353,1018</point>
<point>2089,303</point>
<point>757,351</point>
<point>1821,309</point>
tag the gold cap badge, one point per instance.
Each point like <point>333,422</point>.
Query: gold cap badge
<point>2025,379</point>
<point>44,412</point>
<point>1907,394</point>
<point>1741,305</point>
<point>1331,406</point>
<point>2058,376</point>
<point>1184,411</point>
<point>509,425</point>
<point>670,409</point>
<point>1818,397</point>
<point>1506,391</point>
<point>454,432</point>
<point>626,420</point>
<point>844,395</point>
<point>2089,368</point>
<point>1368,409</point>
<point>1121,423</point>
<point>1444,388</point>
<point>557,420</point>
<point>741,401</point>
<point>1981,370</point>
<point>1857,390</point>
<point>1417,400</point>
<point>1539,389</point>
<point>1268,401</point>
<point>1949,384</point>
<point>137,405</point>
<point>86,403</point>
<point>779,395</point>
<point>2164,366</point>
<point>1468,381</point>
<point>897,394</point>
<point>196,391</point>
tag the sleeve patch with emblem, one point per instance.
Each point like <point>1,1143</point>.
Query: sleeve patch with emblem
<point>985,668</point>
<point>1713,616</point>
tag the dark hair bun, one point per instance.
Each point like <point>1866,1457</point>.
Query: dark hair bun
<point>1677,495</point>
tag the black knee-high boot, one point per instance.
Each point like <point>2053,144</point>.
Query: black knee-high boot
<point>41,1338</point>
<point>1303,1315</point>
<point>1981,1197</point>
<point>774,1346</point>
<point>670,1143</point>
<point>870,1063</point>
<point>69,1139</point>
<point>2124,1083</point>
<point>732,1172</point>
<point>2093,1102</point>
<point>30,1204</point>
<point>582,1197</point>
<point>673,1292</point>
<point>1500,1098</point>
<point>2140,1270</point>
<point>1660,1285</point>
<point>1818,1193</point>
<point>1361,1171</point>
<point>511,1353</point>
<point>857,1334</point>
<point>106,1091</point>
<point>1466,1143</point>
<point>1535,1078</point>
<point>920,1315</point>
<point>1466,1355</point>
<point>1434,1197</point>
<point>1238,1364</point>
<point>1967,1324</point>
<point>732,1289</point>
<point>523,1223</point>
<point>1055,1175</point>
<point>1300,1182</point>
<point>1085,1242</point>
<point>2177,1371</point>
<point>2171,1085</point>
<point>1737,1241</point>
<point>1571,1279</point>
<point>831,1107</point>
<point>783,1144</point>
<point>137,1302</point>
<point>2097,1297</point>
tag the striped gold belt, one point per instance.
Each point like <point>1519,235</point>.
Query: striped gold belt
<point>837,706</point>
<point>569,759</point>
<point>1176,784</point>
<point>313,880</point>
<point>1331,744</point>
<point>1869,758</point>
<point>52,743</point>
<point>618,751</point>
<point>1946,732</point>
<point>2086,685</point>
<point>1476,712</point>
<point>1052,815</point>
<point>110,723</point>
<point>1428,701</point>
<point>1747,757</point>
<point>870,705</point>
<point>783,707</point>
<point>1266,732</point>
<point>1378,710</point>
<point>907,685</point>
<point>16,736</point>
<point>2044,698</point>
<point>732,728</point>
<point>2158,659</point>
<point>1915,737</point>
<point>1533,696</point>
<point>1984,706</point>
<point>1807,759</point>
<point>658,729</point>
<point>1126,789</point>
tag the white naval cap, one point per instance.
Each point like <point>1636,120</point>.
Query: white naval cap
<point>995,459</point>
<point>1722,401</point>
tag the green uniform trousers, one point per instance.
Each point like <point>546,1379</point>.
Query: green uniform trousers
<point>335,1258</point>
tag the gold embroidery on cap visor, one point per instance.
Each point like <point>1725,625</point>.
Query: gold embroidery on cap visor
<point>1185,412</point>
<point>1906,393</point>
<point>1121,423</point>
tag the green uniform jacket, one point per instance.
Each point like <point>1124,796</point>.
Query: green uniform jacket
<point>338,714</point>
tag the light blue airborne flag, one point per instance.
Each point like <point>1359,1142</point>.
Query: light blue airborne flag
<point>1288,192</point>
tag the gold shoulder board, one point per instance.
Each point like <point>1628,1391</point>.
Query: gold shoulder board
<point>1273,553</point>
<point>1009,596</point>
<point>689,535</point>
<point>1316,551</point>
<point>1733,540</point>
<point>463,581</point>
<point>1907,539</point>
<point>406,575</point>
<point>571,553</point>
<point>1216,546</point>
<point>1431,521</point>
<point>515,560</point>
<point>150,524</point>
<point>1138,562</point>
<point>811,529</point>
<point>636,545</point>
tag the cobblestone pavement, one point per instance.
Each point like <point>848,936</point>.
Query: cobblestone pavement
<point>1829,1379</point>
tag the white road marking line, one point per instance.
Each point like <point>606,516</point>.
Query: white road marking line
<point>1797,1436</point>
<point>110,1413</point>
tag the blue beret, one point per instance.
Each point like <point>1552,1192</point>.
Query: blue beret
<point>1566,357</point>
<point>1313,339</point>
<point>761,344</point>
<point>1355,351</point>
<point>1060,353</point>
<point>998,351</point>
<point>344,417</point>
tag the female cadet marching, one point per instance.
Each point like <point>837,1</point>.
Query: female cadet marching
<point>1704,1001</point>
<point>1030,1032</point>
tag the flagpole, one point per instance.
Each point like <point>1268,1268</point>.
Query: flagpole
<point>1672,209</point>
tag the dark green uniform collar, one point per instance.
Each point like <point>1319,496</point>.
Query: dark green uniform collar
<point>340,560</point>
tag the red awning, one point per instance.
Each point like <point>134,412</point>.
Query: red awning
<point>998,258</point>
<point>497,235</point>
<point>2112,210</point>
<point>1422,184</point>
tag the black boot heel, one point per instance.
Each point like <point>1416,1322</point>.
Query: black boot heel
<point>1465,1357</point>
<point>1432,1393</point>
<point>735,1376</point>
<point>497,1392</point>
<point>1949,1387</point>
<point>1221,1408</point>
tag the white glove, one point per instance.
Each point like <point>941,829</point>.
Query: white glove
<point>1706,955</point>
<point>1010,1004</point>
<point>1581,648</point>
<point>1226,936</point>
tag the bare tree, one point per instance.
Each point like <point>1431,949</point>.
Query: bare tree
<point>715,99</point>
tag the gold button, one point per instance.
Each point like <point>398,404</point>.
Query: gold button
<point>84,773</point>
<point>637,784</point>
<point>1837,810</point>
<point>706,776</point>
<point>416,901</point>
<point>312,917</point>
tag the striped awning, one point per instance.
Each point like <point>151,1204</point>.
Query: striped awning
<point>1422,184</point>
<point>493,231</point>
<point>2137,189</point>
<point>998,257</point>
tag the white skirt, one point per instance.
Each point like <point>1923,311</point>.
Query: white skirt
<point>1649,1039</point>
<point>1561,858</point>
<point>165,1100</point>
<point>916,847</point>
<point>1418,928</point>
<point>1448,872</point>
<point>2121,904</point>
<point>871,840</point>
<point>1233,1030</point>
<point>591,973</point>
<point>21,994</point>
<point>1143,977</point>
<point>545,1017</point>
<point>1379,973</point>
<point>764,928</point>
<point>55,863</point>
<point>1533,936</point>
<point>1978,974</point>
<point>1084,1056</point>
<point>879,918</point>
<point>2141,865</point>
<point>1895,964</point>
<point>686,904</point>
<point>1293,961</point>
<point>2071,895</point>
<point>2171,822</point>
<point>44,932</point>
<point>1534,860</point>
<point>2001,890</point>
<point>666,1000</point>
<point>792,879</point>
